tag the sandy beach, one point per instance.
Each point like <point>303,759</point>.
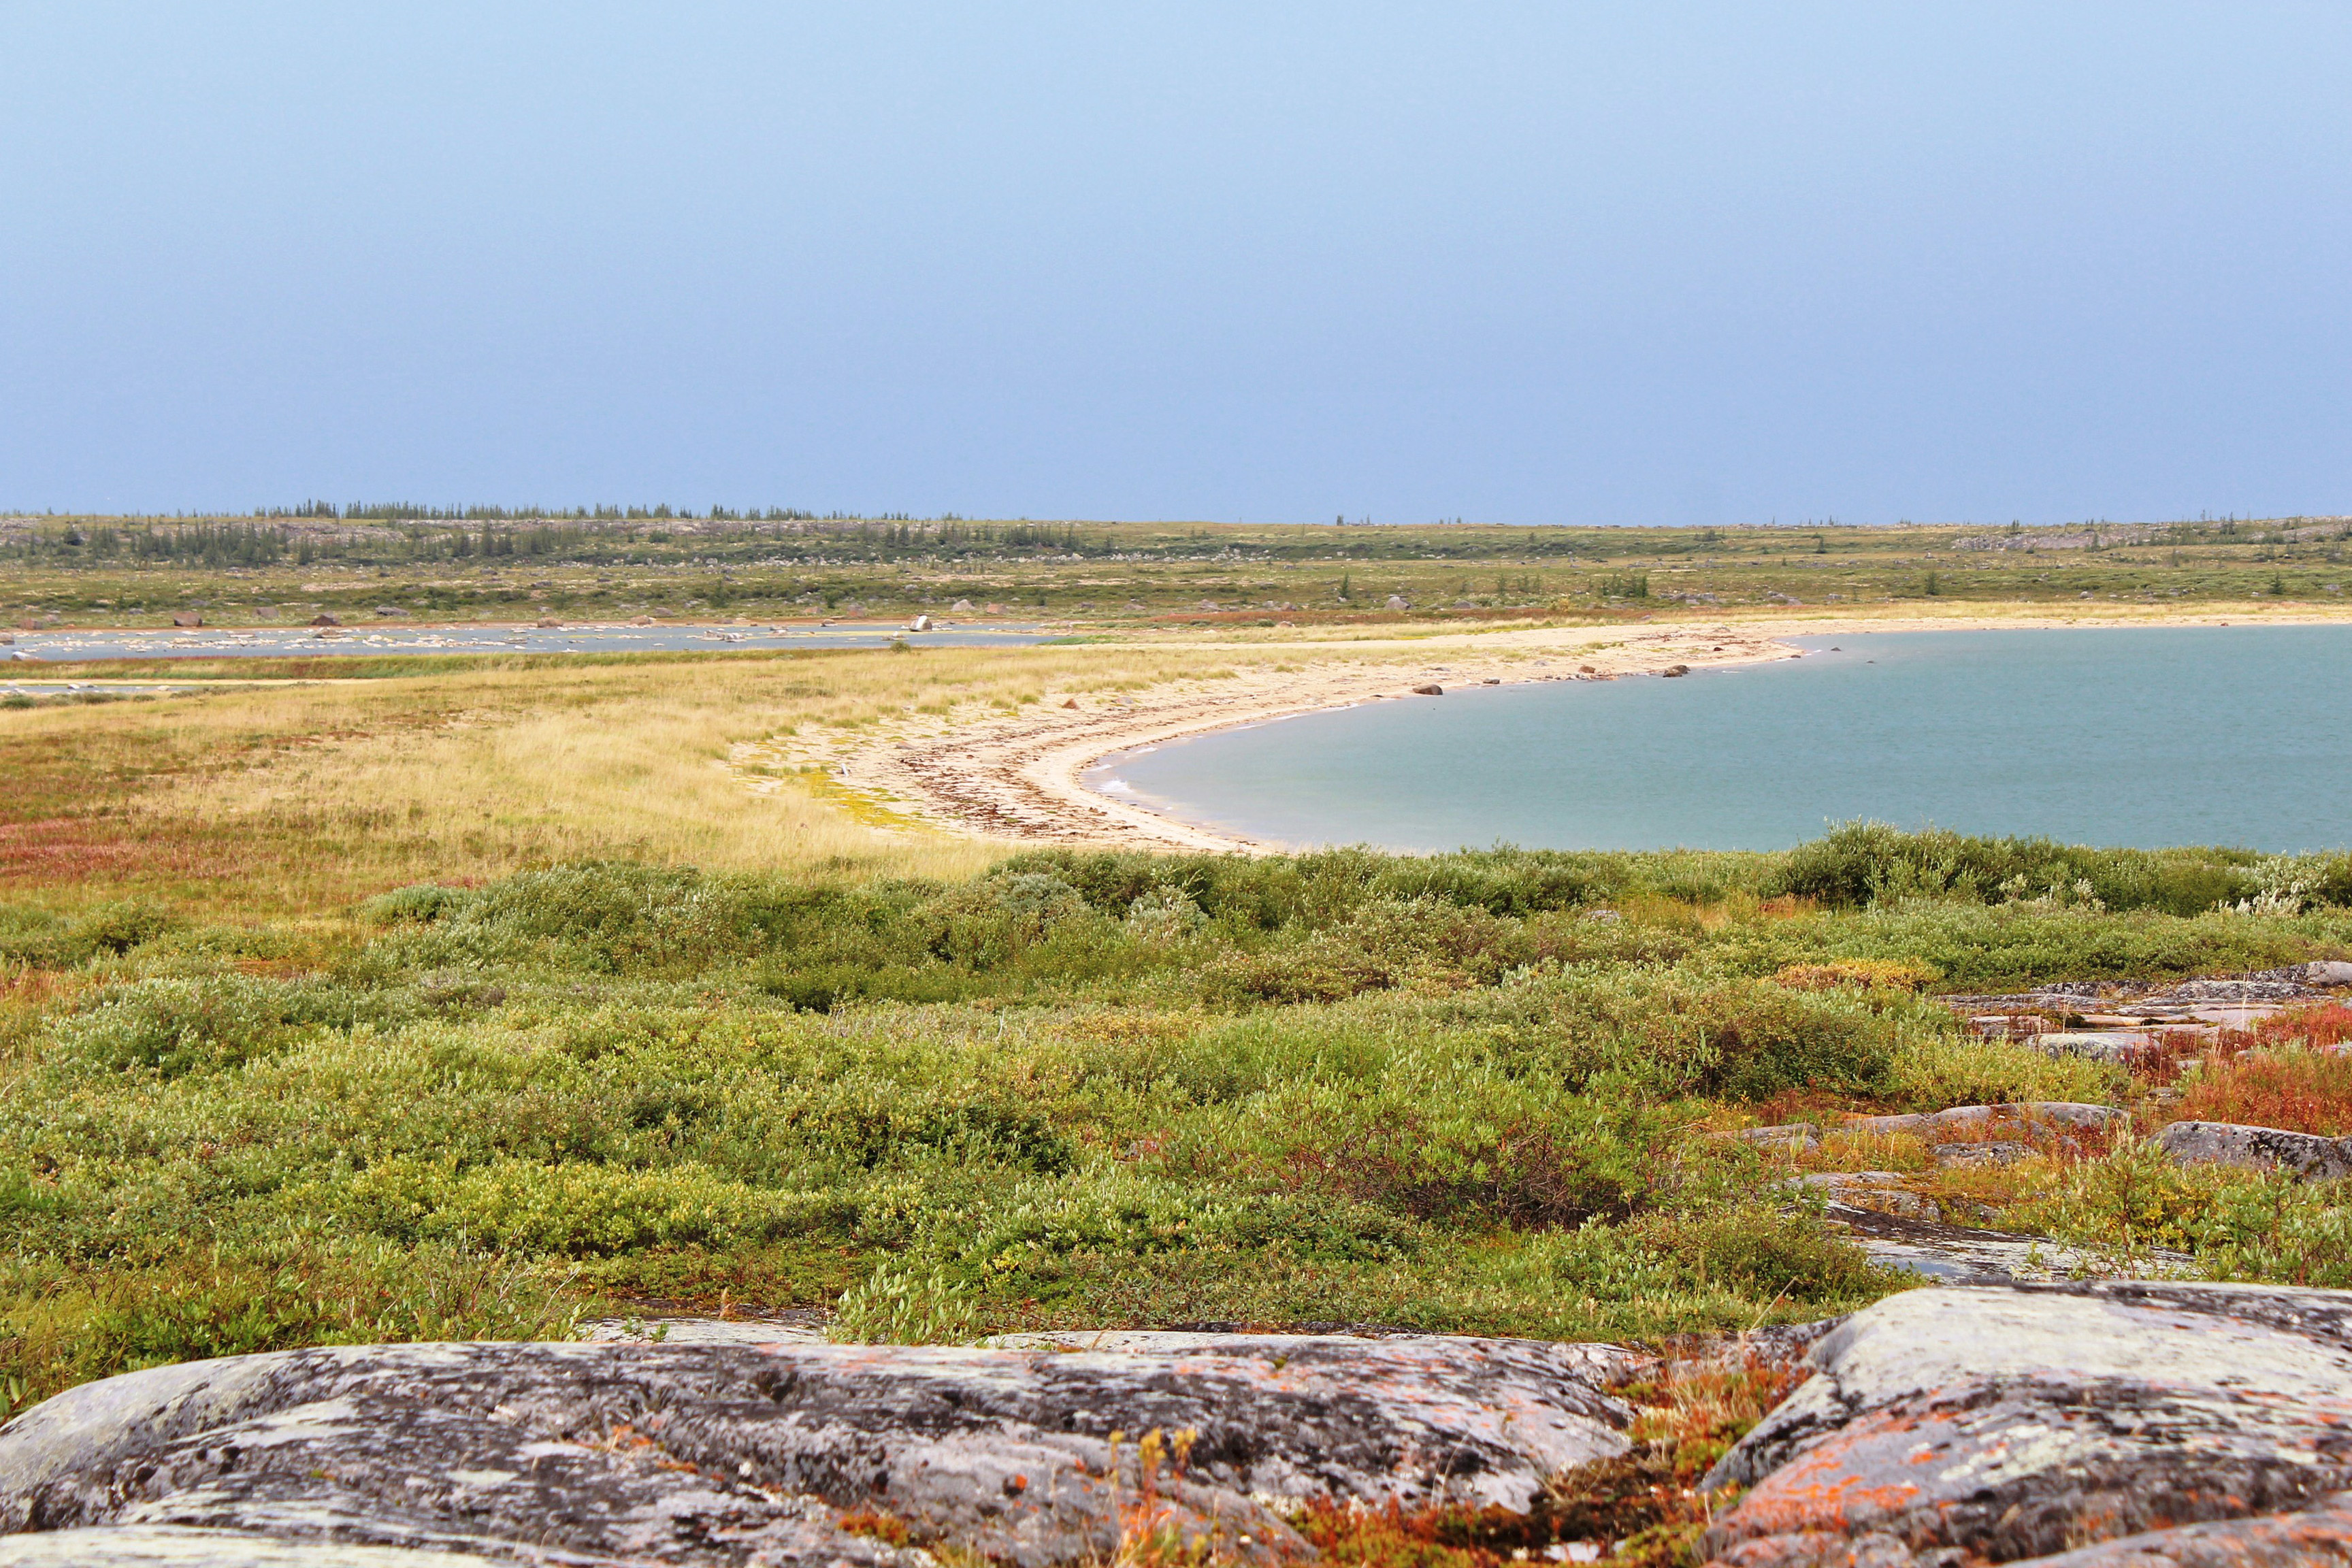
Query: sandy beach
<point>1019,778</point>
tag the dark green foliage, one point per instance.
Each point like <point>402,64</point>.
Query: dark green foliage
<point>1869,862</point>
<point>1444,1092</point>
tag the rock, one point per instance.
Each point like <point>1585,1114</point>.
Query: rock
<point>2327,971</point>
<point>1787,1136</point>
<point>177,1546</point>
<point>799,1329</point>
<point>1070,702</point>
<point>2297,1539</point>
<point>2306,1155</point>
<point>2000,1152</point>
<point>390,610</point>
<point>189,619</point>
<point>640,620</point>
<point>921,624</point>
<point>1491,681</point>
<point>326,620</point>
<point>711,1454</point>
<point>547,625</point>
<point>1995,1424</point>
<point>1674,669</point>
<point>1881,1192</point>
<point>2043,1116</point>
<point>1897,1228</point>
<point>1429,691</point>
<point>2080,1043</point>
<point>1398,602</point>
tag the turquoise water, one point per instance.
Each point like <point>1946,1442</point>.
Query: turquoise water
<point>2236,735</point>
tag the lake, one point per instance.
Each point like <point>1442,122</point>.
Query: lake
<point>2229,735</point>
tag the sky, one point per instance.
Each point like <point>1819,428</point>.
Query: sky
<point>1555,263</point>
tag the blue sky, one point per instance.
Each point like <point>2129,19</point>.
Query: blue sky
<point>1556,263</point>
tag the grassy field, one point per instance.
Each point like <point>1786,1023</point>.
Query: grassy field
<point>461,998</point>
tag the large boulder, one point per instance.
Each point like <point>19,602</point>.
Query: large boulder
<point>721,1454</point>
<point>2310,1156</point>
<point>2004,1424</point>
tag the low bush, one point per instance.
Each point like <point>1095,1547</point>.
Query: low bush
<point>2300,1090</point>
<point>1865,863</point>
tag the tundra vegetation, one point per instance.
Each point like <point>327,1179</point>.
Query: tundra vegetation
<point>417,998</point>
<point>504,563</point>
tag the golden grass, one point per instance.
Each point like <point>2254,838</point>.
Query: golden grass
<point>303,796</point>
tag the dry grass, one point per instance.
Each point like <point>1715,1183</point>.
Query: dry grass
<point>300,797</point>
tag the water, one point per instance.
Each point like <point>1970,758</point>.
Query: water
<point>307,641</point>
<point>2140,737</point>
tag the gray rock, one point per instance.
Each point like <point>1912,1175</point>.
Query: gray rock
<point>721,1454</point>
<point>2306,1155</point>
<point>1789,1135</point>
<point>1997,1423</point>
<point>178,1546</point>
<point>1398,602</point>
<point>2042,1117</point>
<point>1916,1243</point>
<point>2100,1045</point>
<point>1998,1152</point>
<point>805,1329</point>
<point>2331,971</point>
<point>2297,1539</point>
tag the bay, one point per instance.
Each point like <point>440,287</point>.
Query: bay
<point>2144,737</point>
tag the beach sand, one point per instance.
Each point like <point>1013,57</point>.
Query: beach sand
<point>1019,778</point>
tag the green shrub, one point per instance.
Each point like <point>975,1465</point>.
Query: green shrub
<point>1861,863</point>
<point>419,905</point>
<point>174,1026</point>
<point>572,1210</point>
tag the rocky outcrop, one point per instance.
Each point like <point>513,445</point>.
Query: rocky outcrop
<point>723,1454</point>
<point>2112,1425</point>
<point>2005,1423</point>
<point>2309,1155</point>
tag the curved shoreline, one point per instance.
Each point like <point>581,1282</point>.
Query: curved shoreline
<point>1019,779</point>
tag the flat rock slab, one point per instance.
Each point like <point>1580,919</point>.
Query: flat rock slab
<point>593,1454</point>
<point>2310,1156</point>
<point>1963,1255</point>
<point>2004,1424</point>
<point>177,1546</point>
<point>2038,1118</point>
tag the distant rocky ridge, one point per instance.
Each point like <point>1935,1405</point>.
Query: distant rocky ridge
<point>2124,1425</point>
